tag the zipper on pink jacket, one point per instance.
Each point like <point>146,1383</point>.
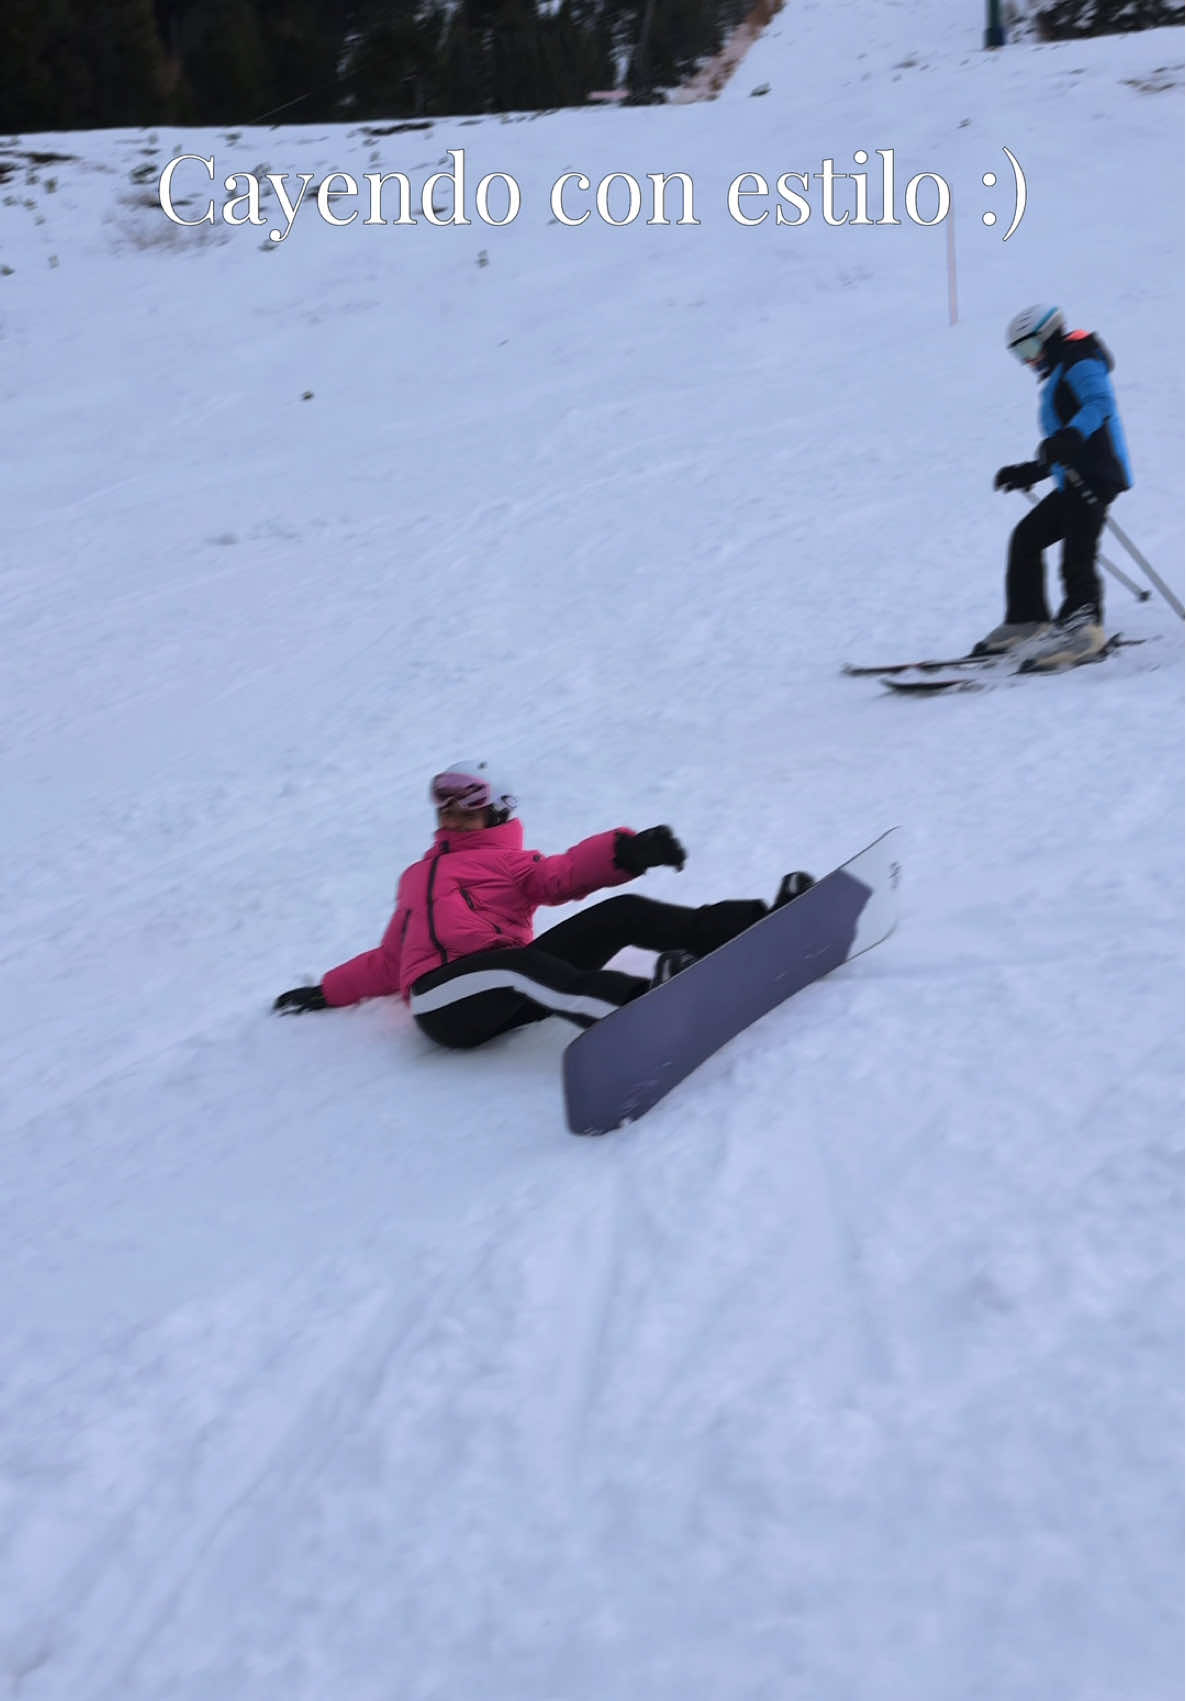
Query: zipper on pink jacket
<point>432,932</point>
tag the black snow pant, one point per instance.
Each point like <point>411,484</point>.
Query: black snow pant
<point>1064,517</point>
<point>563,973</point>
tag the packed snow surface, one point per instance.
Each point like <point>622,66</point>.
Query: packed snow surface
<point>333,1367</point>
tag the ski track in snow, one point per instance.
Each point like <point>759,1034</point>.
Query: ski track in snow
<point>330,1364</point>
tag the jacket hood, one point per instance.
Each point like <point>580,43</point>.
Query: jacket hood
<point>1081,345</point>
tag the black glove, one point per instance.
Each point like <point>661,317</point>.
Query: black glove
<point>1062,447</point>
<point>301,998</point>
<point>1019,477</point>
<point>656,847</point>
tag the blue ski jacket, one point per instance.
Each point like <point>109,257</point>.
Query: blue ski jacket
<point>1079,418</point>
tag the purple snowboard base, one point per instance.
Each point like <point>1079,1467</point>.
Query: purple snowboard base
<point>624,1064</point>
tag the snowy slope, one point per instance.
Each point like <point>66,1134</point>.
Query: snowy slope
<point>332,1366</point>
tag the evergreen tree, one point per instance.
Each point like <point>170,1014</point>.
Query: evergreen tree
<point>226,68</point>
<point>302,43</point>
<point>464,85</point>
<point>30,54</point>
<point>123,48</point>
<point>84,64</point>
<point>396,67</point>
<point>1062,19</point>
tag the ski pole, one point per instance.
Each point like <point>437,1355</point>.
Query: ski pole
<point>1090,498</point>
<point>1138,591</point>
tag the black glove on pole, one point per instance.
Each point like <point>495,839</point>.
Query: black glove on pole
<point>655,847</point>
<point>1021,476</point>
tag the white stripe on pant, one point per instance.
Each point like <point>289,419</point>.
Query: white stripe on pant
<point>509,979</point>
<point>473,999</point>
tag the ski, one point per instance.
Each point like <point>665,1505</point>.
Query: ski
<point>856,670</point>
<point>860,670</point>
<point>934,686</point>
<point>624,1064</point>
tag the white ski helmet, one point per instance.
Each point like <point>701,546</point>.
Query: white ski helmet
<point>469,785</point>
<point>1031,329</point>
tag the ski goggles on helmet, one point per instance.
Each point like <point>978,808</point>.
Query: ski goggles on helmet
<point>1029,349</point>
<point>460,791</point>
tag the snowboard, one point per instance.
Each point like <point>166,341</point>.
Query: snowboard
<point>622,1066</point>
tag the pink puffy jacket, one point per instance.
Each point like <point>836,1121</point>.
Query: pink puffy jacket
<point>471,892</point>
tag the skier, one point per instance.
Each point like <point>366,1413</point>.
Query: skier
<point>460,950</point>
<point>1083,448</point>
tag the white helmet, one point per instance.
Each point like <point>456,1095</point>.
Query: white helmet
<point>1031,329</point>
<point>468,785</point>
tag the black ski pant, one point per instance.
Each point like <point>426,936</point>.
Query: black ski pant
<point>1064,517</point>
<point>563,973</point>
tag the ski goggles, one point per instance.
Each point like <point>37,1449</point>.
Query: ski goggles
<point>460,791</point>
<point>1028,349</point>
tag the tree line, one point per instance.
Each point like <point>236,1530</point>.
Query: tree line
<point>91,64</point>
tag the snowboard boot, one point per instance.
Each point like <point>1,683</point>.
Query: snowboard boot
<point>793,886</point>
<point>1077,637</point>
<point>1006,637</point>
<point>668,964</point>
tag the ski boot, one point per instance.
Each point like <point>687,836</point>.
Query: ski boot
<point>668,964</point>
<point>1006,637</point>
<point>793,886</point>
